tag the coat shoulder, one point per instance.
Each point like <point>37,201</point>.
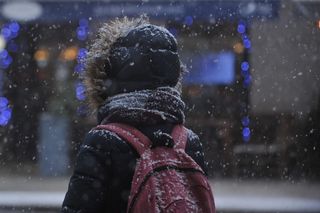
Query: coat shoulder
<point>193,139</point>
<point>194,149</point>
<point>104,141</point>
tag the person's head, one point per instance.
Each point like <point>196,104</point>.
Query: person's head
<point>130,55</point>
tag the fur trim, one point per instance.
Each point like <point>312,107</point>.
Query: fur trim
<point>97,59</point>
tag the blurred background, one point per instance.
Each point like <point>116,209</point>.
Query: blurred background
<point>252,94</point>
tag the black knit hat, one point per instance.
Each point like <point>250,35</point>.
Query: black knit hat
<point>145,58</point>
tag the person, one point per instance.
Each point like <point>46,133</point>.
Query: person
<point>133,77</point>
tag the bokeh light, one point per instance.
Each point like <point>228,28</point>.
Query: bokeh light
<point>188,20</point>
<point>14,27</point>
<point>245,66</point>
<point>41,55</point>
<point>5,111</point>
<point>82,54</point>
<point>241,28</point>
<point>70,54</point>
<point>246,132</point>
<point>247,43</point>
<point>82,33</point>
<point>245,121</point>
<point>6,33</point>
<point>80,91</point>
<point>79,68</point>
<point>238,48</point>
<point>7,61</point>
<point>3,54</point>
<point>3,102</point>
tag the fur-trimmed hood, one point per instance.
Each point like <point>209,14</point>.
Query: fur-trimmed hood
<point>98,76</point>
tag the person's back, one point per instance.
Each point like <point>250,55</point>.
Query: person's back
<point>133,77</point>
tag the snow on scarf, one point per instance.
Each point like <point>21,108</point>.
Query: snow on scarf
<point>144,107</point>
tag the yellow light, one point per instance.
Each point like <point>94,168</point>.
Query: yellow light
<point>41,55</point>
<point>69,54</point>
<point>3,43</point>
<point>238,48</point>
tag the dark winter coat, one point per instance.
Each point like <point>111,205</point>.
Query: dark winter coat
<point>105,165</point>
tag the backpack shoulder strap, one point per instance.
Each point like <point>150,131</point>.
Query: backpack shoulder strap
<point>134,137</point>
<point>180,136</point>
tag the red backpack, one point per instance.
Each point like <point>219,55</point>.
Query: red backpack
<point>166,179</point>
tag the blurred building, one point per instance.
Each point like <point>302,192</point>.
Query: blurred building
<point>252,89</point>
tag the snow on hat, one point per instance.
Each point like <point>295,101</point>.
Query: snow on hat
<point>131,55</point>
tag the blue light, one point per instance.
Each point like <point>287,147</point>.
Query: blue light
<point>80,92</point>
<point>245,121</point>
<point>5,116</point>
<point>246,132</point>
<point>247,43</point>
<point>3,102</point>
<point>3,54</point>
<point>245,66</point>
<point>83,22</point>
<point>82,54</point>
<point>6,32</point>
<point>14,35</point>
<point>7,113</point>
<point>5,62</point>
<point>209,68</point>
<point>188,20</point>
<point>82,33</point>
<point>3,121</point>
<point>79,68</point>
<point>241,28</point>
<point>14,27</point>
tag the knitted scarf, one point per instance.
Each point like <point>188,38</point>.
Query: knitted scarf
<point>144,107</point>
